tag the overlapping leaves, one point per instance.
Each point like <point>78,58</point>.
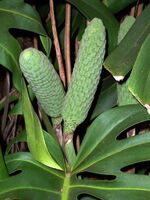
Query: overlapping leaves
<point>33,180</point>
<point>99,10</point>
<point>102,153</point>
<point>121,60</point>
<point>15,14</point>
<point>35,137</point>
<point>139,80</point>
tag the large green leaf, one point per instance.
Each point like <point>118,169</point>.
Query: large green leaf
<point>35,137</point>
<point>116,5</point>
<point>15,14</point>
<point>102,153</point>
<point>33,180</point>
<point>102,156</point>
<point>121,60</point>
<point>95,8</point>
<point>51,144</point>
<point>100,141</point>
<point>139,80</point>
<point>54,149</point>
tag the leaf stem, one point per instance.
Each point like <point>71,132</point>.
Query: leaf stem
<point>69,149</point>
<point>65,189</point>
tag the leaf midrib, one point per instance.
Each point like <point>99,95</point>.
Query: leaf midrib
<point>20,14</point>
<point>108,155</point>
<point>11,55</point>
<point>33,188</point>
<point>108,188</point>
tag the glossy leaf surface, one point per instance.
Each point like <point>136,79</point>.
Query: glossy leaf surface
<point>95,8</point>
<point>121,60</point>
<point>33,180</point>
<point>139,80</point>
<point>103,132</point>
<point>102,155</point>
<point>15,14</point>
<point>35,137</point>
<point>116,6</point>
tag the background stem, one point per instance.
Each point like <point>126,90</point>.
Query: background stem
<point>67,42</point>
<point>56,44</point>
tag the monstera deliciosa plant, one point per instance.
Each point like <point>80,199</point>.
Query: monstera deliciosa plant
<point>84,127</point>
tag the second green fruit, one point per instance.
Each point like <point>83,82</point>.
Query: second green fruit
<point>85,77</point>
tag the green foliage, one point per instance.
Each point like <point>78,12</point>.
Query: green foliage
<point>116,5</point>
<point>125,27</point>
<point>140,76</point>
<point>107,97</point>
<point>52,168</point>
<point>85,77</point>
<point>101,154</point>
<point>121,60</point>
<point>124,95</point>
<point>16,15</point>
<point>35,137</point>
<point>94,8</point>
<point>34,181</point>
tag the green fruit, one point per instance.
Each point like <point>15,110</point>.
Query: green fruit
<point>85,77</point>
<point>43,80</point>
<point>124,95</point>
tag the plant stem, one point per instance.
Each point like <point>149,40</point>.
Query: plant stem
<point>67,42</point>
<point>58,132</point>
<point>65,189</point>
<point>56,44</point>
<point>69,149</point>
